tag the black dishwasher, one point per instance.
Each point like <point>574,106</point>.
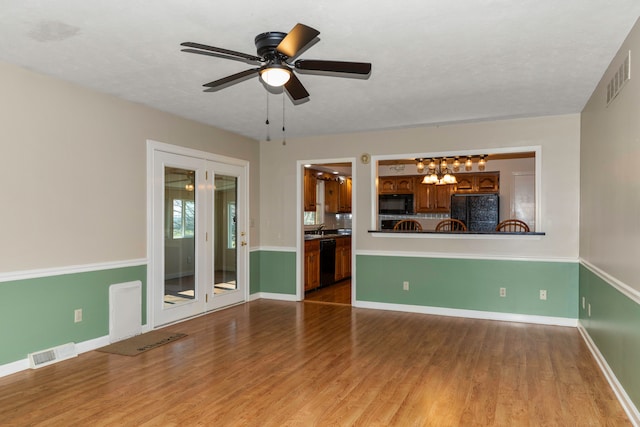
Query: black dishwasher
<point>327,261</point>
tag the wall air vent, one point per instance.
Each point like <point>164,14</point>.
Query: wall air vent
<point>622,75</point>
<point>52,355</point>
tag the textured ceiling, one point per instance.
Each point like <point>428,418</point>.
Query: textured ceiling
<point>433,61</point>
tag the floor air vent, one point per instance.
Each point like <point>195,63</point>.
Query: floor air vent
<point>52,355</point>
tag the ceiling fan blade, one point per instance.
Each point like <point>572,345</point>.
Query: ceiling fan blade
<point>334,66</point>
<point>221,50</point>
<point>295,89</point>
<point>233,78</point>
<point>217,55</point>
<point>298,37</point>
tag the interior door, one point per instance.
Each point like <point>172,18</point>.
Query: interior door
<point>200,253</point>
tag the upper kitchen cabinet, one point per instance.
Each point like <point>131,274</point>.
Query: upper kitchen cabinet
<point>431,198</point>
<point>310,182</point>
<point>395,185</point>
<point>331,196</point>
<point>337,196</point>
<point>344,196</point>
<point>481,182</point>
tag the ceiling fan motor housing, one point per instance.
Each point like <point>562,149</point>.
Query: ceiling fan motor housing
<point>266,43</point>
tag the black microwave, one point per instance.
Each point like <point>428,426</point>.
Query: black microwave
<point>395,204</point>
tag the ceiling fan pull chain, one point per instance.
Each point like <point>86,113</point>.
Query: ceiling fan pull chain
<point>267,121</point>
<point>284,135</point>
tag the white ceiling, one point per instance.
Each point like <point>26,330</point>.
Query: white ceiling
<point>434,61</point>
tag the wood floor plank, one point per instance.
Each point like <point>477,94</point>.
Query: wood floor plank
<point>274,363</point>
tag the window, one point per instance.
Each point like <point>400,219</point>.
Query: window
<point>184,218</point>
<point>309,218</point>
<point>231,225</point>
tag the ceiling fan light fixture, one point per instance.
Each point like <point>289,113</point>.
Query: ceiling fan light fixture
<point>275,75</point>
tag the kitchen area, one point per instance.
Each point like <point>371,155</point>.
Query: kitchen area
<point>477,191</point>
<point>327,233</point>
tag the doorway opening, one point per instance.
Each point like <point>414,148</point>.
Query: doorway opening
<point>327,229</point>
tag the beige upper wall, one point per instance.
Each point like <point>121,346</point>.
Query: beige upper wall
<point>73,168</point>
<point>559,137</point>
<point>610,188</point>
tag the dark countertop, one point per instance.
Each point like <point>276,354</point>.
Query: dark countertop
<point>496,233</point>
<point>327,234</point>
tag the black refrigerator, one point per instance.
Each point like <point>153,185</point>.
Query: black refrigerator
<point>479,212</point>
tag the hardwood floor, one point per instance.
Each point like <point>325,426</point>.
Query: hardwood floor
<point>274,363</point>
<point>338,293</point>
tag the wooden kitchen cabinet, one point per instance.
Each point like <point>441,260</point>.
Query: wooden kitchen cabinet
<point>337,196</point>
<point>431,198</point>
<point>344,196</point>
<point>395,184</point>
<point>343,258</point>
<point>480,182</point>
<point>488,182</point>
<point>311,264</point>
<point>310,183</point>
<point>331,193</point>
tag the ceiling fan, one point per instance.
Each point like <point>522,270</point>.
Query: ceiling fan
<point>276,50</point>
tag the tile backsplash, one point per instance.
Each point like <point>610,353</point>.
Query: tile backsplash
<point>334,221</point>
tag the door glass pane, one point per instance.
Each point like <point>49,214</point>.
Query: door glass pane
<point>225,236</point>
<point>179,236</point>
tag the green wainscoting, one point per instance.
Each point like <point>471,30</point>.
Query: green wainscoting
<point>614,327</point>
<point>273,272</point>
<point>39,313</point>
<point>470,284</point>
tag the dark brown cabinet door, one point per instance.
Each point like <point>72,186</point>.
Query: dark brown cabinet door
<point>343,258</point>
<point>424,198</point>
<point>431,198</point>
<point>480,182</point>
<point>442,196</point>
<point>311,264</point>
<point>465,183</point>
<point>488,183</point>
<point>404,184</point>
<point>344,196</point>
<point>309,190</point>
<point>331,196</point>
<point>396,184</point>
<point>387,185</point>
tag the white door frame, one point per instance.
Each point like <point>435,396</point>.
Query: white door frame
<point>300,226</point>
<point>153,244</point>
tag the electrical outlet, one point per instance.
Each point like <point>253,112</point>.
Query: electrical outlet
<point>583,303</point>
<point>543,294</point>
<point>405,286</point>
<point>589,310</point>
<point>77,315</point>
<point>503,292</point>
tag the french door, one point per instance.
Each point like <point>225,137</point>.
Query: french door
<point>200,252</point>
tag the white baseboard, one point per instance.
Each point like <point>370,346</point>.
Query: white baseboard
<point>13,367</point>
<point>621,394</point>
<point>82,347</point>
<point>471,314</point>
<point>269,295</point>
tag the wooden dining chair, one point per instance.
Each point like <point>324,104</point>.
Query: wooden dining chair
<point>513,226</point>
<point>407,225</point>
<point>451,225</point>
